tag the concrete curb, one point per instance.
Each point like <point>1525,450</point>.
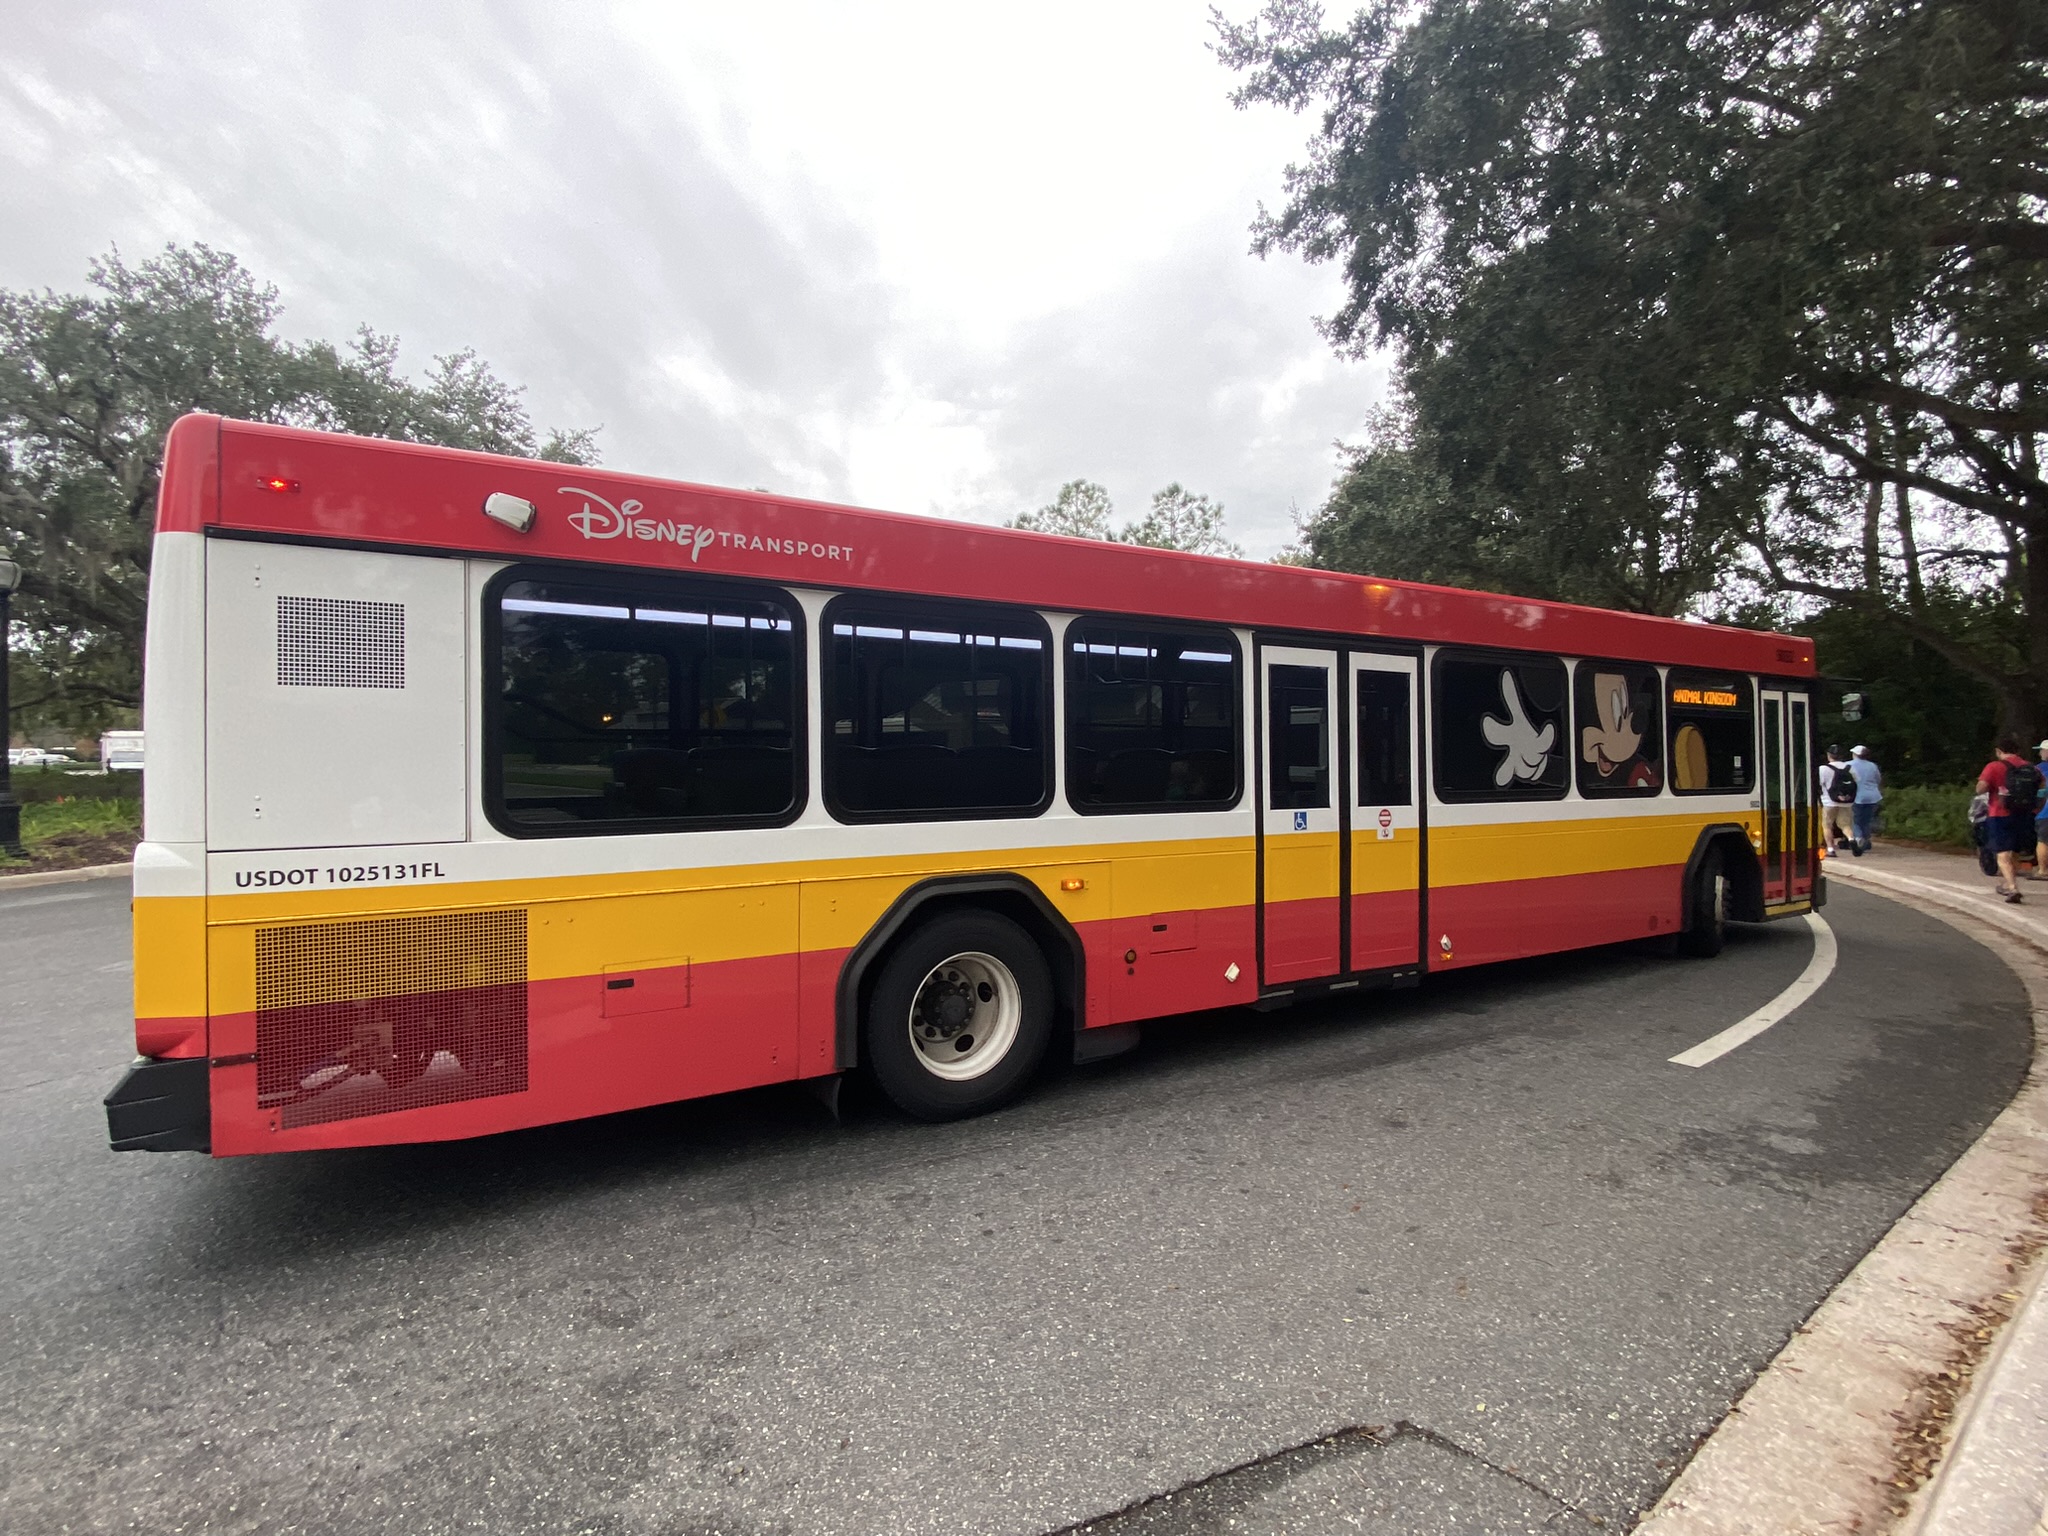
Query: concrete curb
<point>62,876</point>
<point>1840,1428</point>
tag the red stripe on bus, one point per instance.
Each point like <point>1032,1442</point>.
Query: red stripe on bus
<point>170,1038</point>
<point>1301,940</point>
<point>1511,919</point>
<point>1383,929</point>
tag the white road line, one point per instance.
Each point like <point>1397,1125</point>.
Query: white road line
<point>1818,969</point>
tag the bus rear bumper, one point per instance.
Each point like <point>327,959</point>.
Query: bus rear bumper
<point>162,1106</point>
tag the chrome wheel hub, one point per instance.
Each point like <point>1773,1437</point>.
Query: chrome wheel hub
<point>965,1016</point>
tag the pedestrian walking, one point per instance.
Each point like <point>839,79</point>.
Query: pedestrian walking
<point>2014,785</point>
<point>1869,795</point>
<point>2041,821</point>
<point>1837,802</point>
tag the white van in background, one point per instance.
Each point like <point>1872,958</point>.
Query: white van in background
<point>121,750</point>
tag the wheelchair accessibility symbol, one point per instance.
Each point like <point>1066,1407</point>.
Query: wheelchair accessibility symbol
<point>1301,821</point>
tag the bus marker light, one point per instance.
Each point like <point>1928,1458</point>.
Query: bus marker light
<point>515,512</point>
<point>1230,971</point>
<point>1073,885</point>
<point>278,483</point>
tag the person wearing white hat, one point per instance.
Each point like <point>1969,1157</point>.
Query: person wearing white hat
<point>1869,793</point>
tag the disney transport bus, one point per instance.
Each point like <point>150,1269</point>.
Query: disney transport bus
<point>486,793</point>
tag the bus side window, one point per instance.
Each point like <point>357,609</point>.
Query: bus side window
<point>641,706</point>
<point>1499,723</point>
<point>1619,729</point>
<point>1383,746</point>
<point>1152,719</point>
<point>1712,719</point>
<point>935,710</point>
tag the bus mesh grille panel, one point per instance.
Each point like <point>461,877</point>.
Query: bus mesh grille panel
<point>366,1017</point>
<point>338,642</point>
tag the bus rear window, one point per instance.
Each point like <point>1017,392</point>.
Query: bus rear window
<point>1151,719</point>
<point>933,712</point>
<point>1712,720</point>
<point>641,708</point>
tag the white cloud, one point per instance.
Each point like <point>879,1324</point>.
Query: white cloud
<point>937,258</point>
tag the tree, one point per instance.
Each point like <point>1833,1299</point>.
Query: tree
<point>1178,519</point>
<point>1081,510</point>
<point>1697,286</point>
<point>89,385</point>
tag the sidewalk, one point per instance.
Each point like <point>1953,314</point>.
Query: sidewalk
<point>1992,1478</point>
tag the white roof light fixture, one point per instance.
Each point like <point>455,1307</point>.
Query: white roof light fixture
<point>515,512</point>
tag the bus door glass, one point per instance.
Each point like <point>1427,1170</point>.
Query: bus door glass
<point>1800,790</point>
<point>1301,818</point>
<point>1777,845</point>
<point>1386,827</point>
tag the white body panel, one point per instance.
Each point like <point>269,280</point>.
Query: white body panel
<point>358,737</point>
<point>174,691</point>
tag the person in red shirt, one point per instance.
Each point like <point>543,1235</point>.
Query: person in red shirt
<point>2006,831</point>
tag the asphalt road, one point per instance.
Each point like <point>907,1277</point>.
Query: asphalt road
<point>1472,1259</point>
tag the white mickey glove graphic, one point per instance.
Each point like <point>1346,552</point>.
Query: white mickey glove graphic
<point>1527,747</point>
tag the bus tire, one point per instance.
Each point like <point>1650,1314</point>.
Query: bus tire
<point>959,1018</point>
<point>1708,930</point>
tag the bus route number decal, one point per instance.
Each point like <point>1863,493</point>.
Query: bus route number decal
<point>338,874</point>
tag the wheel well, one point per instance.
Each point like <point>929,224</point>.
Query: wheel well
<point>1011,896</point>
<point>1738,862</point>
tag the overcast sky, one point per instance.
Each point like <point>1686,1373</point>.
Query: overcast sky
<point>935,258</point>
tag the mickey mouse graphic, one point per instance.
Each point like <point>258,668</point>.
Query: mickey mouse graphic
<point>1525,746</point>
<point>1614,745</point>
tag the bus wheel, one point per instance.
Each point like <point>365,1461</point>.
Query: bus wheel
<point>959,1017</point>
<point>1708,930</point>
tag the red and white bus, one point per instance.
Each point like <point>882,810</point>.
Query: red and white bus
<point>485,793</point>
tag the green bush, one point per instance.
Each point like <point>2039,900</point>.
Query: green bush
<point>34,785</point>
<point>1929,813</point>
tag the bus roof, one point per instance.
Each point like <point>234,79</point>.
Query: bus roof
<point>248,477</point>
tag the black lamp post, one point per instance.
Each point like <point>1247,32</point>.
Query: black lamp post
<point>10,810</point>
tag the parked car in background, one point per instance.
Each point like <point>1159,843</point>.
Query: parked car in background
<point>121,751</point>
<point>34,757</point>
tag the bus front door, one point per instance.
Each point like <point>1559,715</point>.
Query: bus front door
<point>1789,790</point>
<point>1301,817</point>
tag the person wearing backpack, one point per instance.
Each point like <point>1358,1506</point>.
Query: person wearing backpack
<point>1837,799</point>
<point>1869,795</point>
<point>2040,818</point>
<point>2014,785</point>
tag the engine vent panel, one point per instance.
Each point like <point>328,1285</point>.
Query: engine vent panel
<point>340,642</point>
<point>380,1014</point>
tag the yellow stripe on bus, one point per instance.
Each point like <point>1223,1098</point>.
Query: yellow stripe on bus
<point>1527,850</point>
<point>580,923</point>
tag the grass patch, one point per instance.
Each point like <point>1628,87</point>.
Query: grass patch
<point>74,831</point>
<point>44,819</point>
<point>1929,813</point>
